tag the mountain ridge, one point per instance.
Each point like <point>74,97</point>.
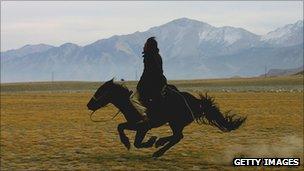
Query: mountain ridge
<point>184,18</point>
<point>197,49</point>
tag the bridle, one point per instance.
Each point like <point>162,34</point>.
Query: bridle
<point>91,114</point>
<point>95,99</point>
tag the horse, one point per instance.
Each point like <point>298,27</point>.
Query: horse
<point>178,109</point>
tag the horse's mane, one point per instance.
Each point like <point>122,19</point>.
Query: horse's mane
<point>122,86</point>
<point>134,101</point>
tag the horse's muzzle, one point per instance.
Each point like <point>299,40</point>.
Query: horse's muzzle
<point>90,107</point>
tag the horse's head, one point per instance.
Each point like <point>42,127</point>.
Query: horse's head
<point>109,92</point>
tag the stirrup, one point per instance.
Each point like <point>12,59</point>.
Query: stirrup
<point>163,91</point>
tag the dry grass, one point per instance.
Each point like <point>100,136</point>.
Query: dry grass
<point>52,131</point>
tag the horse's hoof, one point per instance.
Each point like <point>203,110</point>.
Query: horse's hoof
<point>126,142</point>
<point>157,154</point>
<point>128,146</point>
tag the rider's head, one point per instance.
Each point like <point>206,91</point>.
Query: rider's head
<point>151,46</point>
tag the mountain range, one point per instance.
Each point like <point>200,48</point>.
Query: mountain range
<point>284,72</point>
<point>190,49</point>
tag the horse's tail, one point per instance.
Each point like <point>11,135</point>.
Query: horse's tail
<point>211,114</point>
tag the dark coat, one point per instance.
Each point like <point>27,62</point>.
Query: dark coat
<point>152,80</point>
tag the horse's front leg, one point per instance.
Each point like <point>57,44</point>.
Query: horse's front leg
<point>142,129</point>
<point>174,139</point>
<point>162,141</point>
<point>123,138</point>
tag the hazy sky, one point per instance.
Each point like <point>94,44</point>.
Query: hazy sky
<point>82,23</point>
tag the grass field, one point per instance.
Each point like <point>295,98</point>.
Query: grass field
<point>46,126</point>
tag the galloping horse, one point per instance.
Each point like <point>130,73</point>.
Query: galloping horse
<point>178,109</point>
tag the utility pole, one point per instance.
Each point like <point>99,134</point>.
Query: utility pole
<point>52,76</point>
<point>265,71</point>
<point>135,74</point>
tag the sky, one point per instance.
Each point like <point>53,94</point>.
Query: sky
<point>56,23</point>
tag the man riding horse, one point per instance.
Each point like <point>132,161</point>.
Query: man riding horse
<point>164,103</point>
<point>152,82</point>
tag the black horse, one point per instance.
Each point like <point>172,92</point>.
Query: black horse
<point>178,109</point>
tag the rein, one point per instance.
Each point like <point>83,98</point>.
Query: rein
<point>91,114</point>
<point>96,99</point>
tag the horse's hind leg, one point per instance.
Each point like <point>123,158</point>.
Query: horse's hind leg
<point>174,139</point>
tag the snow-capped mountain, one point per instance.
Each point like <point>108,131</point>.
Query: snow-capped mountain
<point>190,49</point>
<point>289,35</point>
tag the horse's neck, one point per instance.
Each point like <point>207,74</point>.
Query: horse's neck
<point>129,111</point>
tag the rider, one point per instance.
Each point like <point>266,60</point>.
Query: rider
<point>152,82</point>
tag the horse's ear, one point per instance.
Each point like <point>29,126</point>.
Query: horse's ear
<point>111,81</point>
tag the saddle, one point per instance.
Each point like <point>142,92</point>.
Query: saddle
<point>154,102</point>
